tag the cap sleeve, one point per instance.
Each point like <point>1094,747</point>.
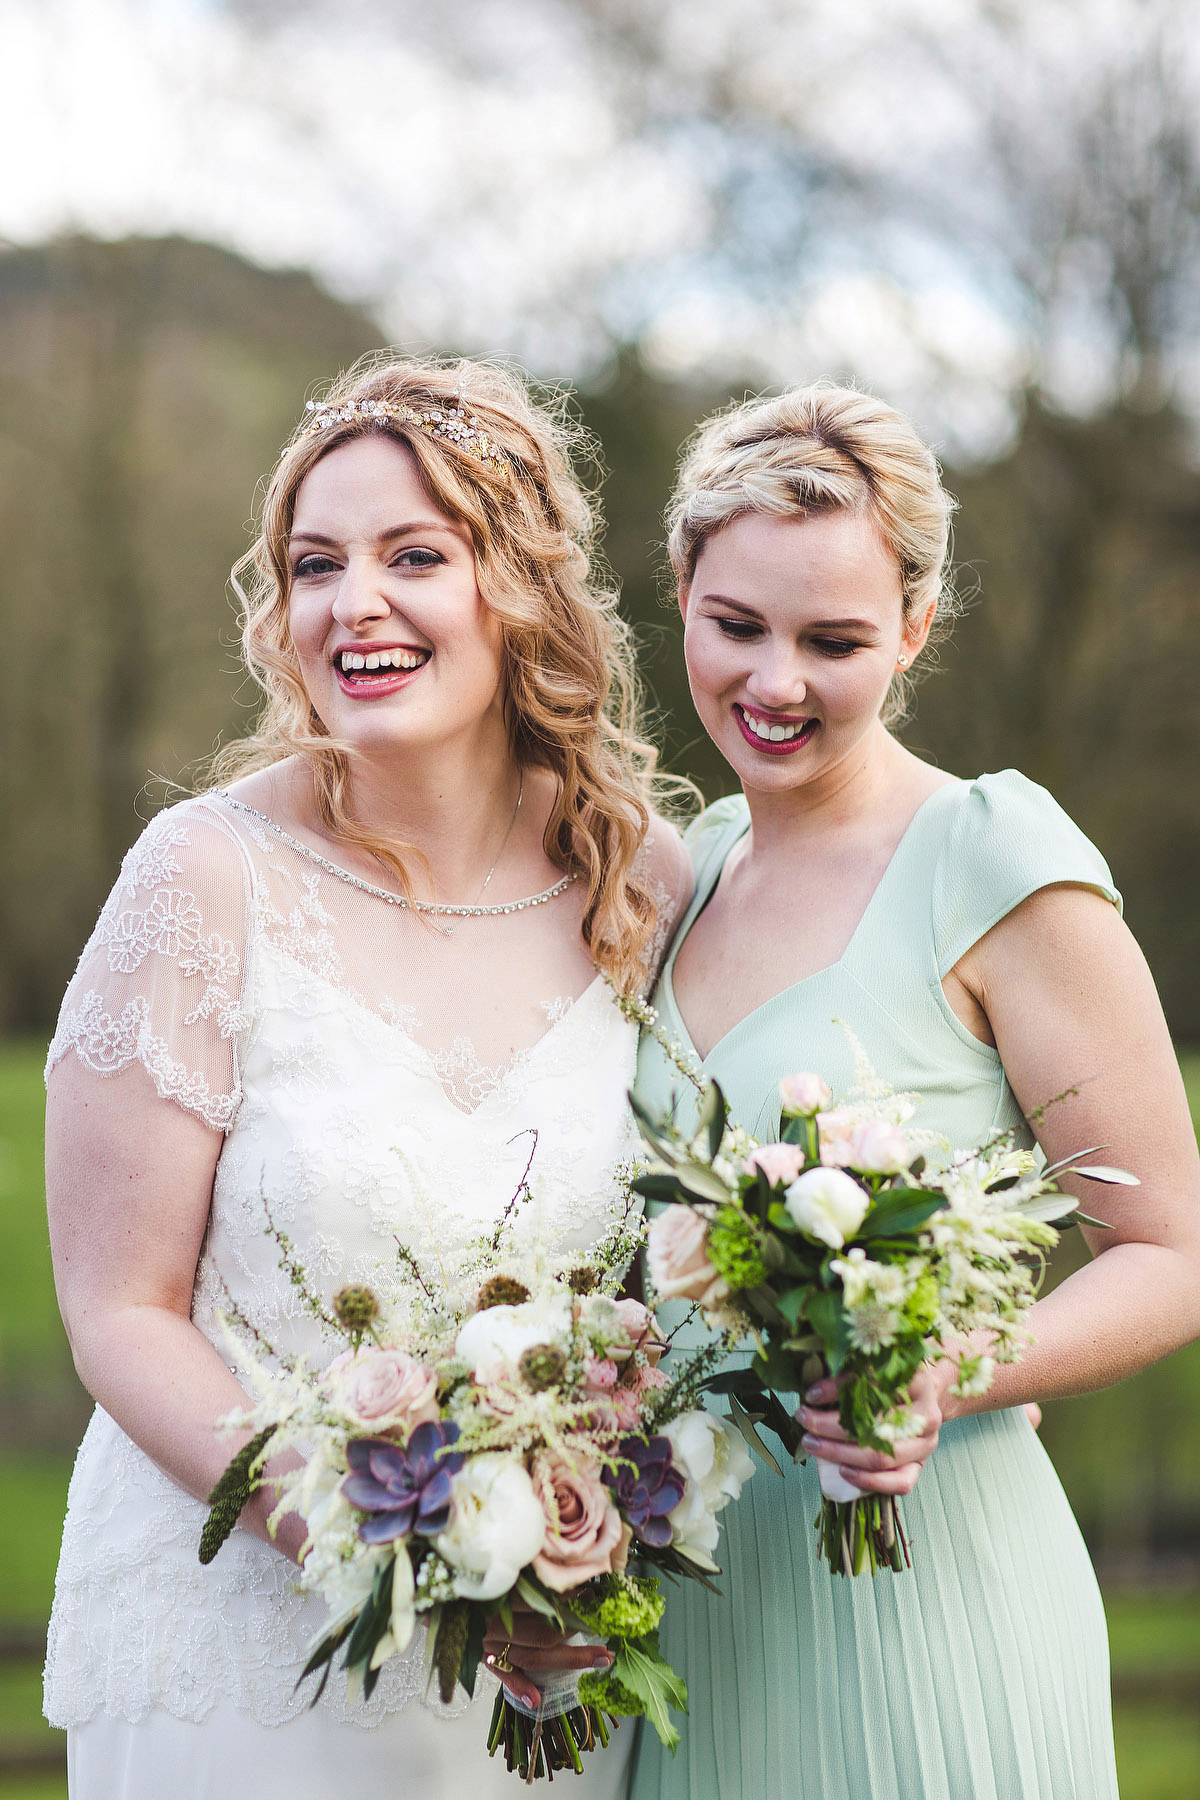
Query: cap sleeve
<point>1009,838</point>
<point>160,981</point>
<point>706,836</point>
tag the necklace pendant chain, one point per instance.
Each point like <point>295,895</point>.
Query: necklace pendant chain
<point>434,909</point>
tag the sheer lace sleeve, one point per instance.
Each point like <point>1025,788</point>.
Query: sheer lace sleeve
<point>160,981</point>
<point>663,864</point>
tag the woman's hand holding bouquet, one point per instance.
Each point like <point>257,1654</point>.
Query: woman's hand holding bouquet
<point>866,1270</point>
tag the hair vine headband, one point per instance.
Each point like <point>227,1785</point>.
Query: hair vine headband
<point>454,424</point>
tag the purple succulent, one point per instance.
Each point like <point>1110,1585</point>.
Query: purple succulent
<point>647,1491</point>
<point>403,1488</point>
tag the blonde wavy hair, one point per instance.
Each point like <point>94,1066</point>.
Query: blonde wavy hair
<point>818,449</point>
<point>573,702</point>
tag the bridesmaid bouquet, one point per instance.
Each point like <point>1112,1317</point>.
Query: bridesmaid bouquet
<point>510,1437</point>
<point>844,1250</point>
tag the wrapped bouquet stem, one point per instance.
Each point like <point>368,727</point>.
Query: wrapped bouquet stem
<point>844,1249</point>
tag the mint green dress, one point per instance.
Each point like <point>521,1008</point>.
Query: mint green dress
<point>982,1674</point>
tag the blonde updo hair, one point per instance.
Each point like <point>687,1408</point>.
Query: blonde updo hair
<point>819,449</point>
<point>572,697</point>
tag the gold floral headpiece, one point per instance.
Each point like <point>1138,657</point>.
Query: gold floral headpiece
<point>453,423</point>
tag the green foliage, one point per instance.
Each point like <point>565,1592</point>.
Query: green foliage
<point>231,1492</point>
<point>642,1672</point>
<point>450,1644</point>
<point>827,1316</point>
<point>603,1689</point>
<point>897,1211</point>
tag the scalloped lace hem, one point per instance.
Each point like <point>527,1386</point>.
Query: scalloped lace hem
<point>106,1045</point>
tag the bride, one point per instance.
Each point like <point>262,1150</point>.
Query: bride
<point>346,997</point>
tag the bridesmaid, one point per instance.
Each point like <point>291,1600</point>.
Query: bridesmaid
<point>971,936</point>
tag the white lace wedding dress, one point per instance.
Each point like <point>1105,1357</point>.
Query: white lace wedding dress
<point>375,1081</point>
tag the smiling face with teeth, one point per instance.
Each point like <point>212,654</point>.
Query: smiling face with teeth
<point>396,646</point>
<point>792,632</point>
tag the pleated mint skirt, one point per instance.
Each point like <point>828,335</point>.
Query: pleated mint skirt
<point>982,1674</point>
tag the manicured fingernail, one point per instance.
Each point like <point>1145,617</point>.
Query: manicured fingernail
<point>602,1659</point>
<point>808,1442</point>
<point>802,1417</point>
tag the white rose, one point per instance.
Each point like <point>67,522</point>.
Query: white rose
<point>827,1204</point>
<point>715,1464</point>
<point>500,1335</point>
<point>496,1526</point>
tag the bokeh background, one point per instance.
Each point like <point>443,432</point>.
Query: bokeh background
<point>986,210</point>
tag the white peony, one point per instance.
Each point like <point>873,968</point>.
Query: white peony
<point>498,1337</point>
<point>497,1524</point>
<point>827,1204</point>
<point>712,1458</point>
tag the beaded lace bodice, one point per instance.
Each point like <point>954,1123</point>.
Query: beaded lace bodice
<point>374,1083</point>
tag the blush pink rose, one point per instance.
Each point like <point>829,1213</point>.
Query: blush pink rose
<point>880,1148</point>
<point>384,1388</point>
<point>779,1162</point>
<point>804,1094</point>
<point>642,1329</point>
<point>677,1257</point>
<point>837,1131</point>
<point>585,1535</point>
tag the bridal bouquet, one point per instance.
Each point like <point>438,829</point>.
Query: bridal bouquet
<point>845,1249</point>
<point>509,1437</point>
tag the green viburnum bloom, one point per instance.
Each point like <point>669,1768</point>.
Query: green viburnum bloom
<point>602,1689</point>
<point>921,1307</point>
<point>734,1250</point>
<point>624,1606</point>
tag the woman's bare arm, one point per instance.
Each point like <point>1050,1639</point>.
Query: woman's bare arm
<point>1072,1005</point>
<point>1066,994</point>
<point>128,1185</point>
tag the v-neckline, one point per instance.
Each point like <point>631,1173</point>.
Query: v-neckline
<point>701,900</point>
<point>394,1029</point>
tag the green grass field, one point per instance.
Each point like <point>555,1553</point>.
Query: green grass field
<point>1155,1635</point>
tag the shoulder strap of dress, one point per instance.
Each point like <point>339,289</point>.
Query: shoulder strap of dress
<point>709,840</point>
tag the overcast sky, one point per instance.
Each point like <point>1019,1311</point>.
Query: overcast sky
<point>486,180</point>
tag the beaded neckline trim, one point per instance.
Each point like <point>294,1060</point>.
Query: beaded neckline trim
<point>367,887</point>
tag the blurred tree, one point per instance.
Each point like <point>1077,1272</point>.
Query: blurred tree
<point>144,388</point>
<point>641,422</point>
<point>1081,663</point>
